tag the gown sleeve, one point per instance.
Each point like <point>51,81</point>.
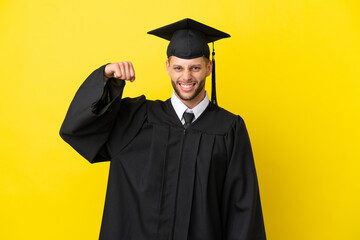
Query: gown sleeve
<point>93,113</point>
<point>242,214</point>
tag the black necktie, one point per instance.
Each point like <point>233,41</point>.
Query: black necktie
<point>188,117</point>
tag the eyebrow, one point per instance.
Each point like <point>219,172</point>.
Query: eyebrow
<point>195,65</point>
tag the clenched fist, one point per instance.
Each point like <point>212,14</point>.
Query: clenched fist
<point>120,70</point>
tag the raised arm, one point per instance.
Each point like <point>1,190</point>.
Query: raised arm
<point>97,108</point>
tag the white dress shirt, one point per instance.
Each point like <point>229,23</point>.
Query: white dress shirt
<point>180,107</point>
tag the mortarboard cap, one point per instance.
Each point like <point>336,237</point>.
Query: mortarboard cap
<point>189,39</point>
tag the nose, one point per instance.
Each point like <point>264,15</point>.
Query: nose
<point>187,75</point>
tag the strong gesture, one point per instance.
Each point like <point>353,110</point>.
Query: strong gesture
<point>119,70</point>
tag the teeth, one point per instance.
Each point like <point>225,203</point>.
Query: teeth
<point>186,85</point>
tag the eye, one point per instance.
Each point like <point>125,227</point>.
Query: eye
<point>177,68</point>
<point>196,68</point>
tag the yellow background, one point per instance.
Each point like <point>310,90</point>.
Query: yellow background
<point>291,69</point>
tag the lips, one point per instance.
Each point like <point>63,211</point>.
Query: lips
<point>187,87</point>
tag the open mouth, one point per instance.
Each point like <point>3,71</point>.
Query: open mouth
<point>187,86</point>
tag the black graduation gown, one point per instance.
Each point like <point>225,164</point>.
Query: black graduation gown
<point>166,182</point>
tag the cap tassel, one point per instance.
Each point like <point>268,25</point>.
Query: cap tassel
<point>213,87</point>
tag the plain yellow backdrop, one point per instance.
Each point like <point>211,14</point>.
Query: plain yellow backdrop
<point>291,69</point>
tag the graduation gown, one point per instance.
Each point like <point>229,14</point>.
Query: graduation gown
<point>165,182</point>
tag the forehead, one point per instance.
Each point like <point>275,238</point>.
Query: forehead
<point>181,61</point>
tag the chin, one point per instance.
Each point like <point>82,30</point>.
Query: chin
<point>187,98</point>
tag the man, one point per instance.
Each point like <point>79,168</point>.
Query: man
<point>179,169</point>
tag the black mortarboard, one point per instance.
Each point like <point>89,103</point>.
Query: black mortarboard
<point>189,39</point>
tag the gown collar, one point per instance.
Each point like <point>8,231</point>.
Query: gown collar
<point>180,107</point>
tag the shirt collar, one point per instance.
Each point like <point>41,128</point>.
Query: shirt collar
<point>180,107</point>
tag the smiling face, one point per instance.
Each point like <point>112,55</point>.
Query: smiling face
<point>188,78</point>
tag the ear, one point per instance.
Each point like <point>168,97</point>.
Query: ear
<point>168,67</point>
<point>209,68</point>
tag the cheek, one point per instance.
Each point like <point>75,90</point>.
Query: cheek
<point>174,75</point>
<point>201,74</point>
